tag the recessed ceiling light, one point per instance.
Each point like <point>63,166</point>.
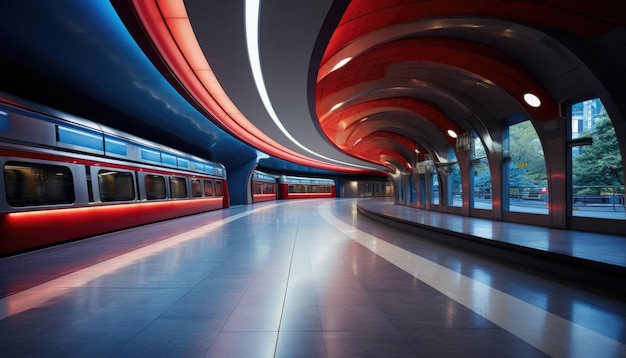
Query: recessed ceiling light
<point>341,63</point>
<point>532,100</point>
<point>452,133</point>
<point>336,106</point>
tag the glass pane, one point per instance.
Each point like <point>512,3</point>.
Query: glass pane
<point>116,186</point>
<point>527,179</point>
<point>434,196</point>
<point>219,190</point>
<point>454,191</point>
<point>178,187</point>
<point>411,189</point>
<point>29,184</point>
<point>482,184</point>
<point>155,187</point>
<point>456,187</point>
<point>196,188</point>
<point>482,176</point>
<point>208,188</point>
<point>597,173</point>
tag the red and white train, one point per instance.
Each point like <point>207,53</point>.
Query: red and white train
<point>263,187</point>
<point>65,178</point>
<point>291,187</point>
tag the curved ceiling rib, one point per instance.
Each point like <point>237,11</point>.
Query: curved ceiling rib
<point>405,150</point>
<point>335,122</point>
<point>483,61</point>
<point>586,19</point>
<point>378,49</point>
<point>168,27</point>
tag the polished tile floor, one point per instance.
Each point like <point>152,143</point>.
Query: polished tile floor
<point>290,279</point>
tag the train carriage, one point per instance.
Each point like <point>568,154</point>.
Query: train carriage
<point>262,187</point>
<point>65,178</point>
<point>291,187</point>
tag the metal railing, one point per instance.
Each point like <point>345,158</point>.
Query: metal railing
<point>598,196</point>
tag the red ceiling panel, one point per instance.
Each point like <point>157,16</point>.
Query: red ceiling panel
<point>584,18</point>
<point>331,123</point>
<point>476,58</point>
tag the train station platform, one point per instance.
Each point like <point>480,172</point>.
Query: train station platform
<point>591,259</point>
<point>295,278</point>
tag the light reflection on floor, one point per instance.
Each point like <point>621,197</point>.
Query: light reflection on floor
<point>498,307</point>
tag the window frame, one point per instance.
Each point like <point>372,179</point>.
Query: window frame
<point>173,194</point>
<point>130,175</point>
<point>145,186</point>
<point>68,187</point>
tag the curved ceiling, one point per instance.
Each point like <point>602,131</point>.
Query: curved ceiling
<point>182,73</point>
<point>452,64</point>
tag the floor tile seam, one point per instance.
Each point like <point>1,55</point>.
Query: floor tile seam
<point>189,290</point>
<point>393,323</point>
<point>128,340</point>
<point>315,289</point>
<point>230,315</point>
<point>373,299</point>
<point>361,285</point>
<point>165,311</point>
<point>282,309</point>
<point>530,337</point>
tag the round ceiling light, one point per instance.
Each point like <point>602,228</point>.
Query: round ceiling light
<point>452,133</point>
<point>341,63</point>
<point>532,100</point>
<point>337,105</point>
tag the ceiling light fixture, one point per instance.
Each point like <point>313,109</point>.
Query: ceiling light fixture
<point>252,42</point>
<point>452,133</point>
<point>341,63</point>
<point>336,106</point>
<point>532,100</point>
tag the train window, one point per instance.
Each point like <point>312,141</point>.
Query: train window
<point>29,184</point>
<point>219,190</point>
<point>196,188</point>
<point>208,188</point>
<point>116,186</point>
<point>155,187</point>
<point>178,187</point>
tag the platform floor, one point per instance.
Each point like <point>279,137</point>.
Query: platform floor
<point>308,278</point>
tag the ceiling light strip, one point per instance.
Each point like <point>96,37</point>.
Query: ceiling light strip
<point>252,41</point>
<point>205,88</point>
